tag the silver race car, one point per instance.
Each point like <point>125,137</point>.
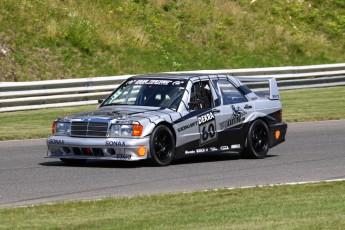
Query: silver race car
<point>162,117</point>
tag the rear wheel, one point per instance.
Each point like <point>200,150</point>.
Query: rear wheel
<point>73,161</point>
<point>162,146</point>
<point>257,140</point>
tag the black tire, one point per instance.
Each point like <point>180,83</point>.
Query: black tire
<point>162,146</point>
<point>68,161</point>
<point>257,140</point>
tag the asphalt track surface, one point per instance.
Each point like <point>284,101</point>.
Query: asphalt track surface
<point>313,151</point>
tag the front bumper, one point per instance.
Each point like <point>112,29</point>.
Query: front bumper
<point>67,147</point>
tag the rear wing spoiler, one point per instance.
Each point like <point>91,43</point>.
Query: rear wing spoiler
<point>260,84</point>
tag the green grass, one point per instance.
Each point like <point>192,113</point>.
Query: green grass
<point>312,206</point>
<point>86,38</point>
<point>34,123</point>
<point>313,104</point>
<point>298,105</point>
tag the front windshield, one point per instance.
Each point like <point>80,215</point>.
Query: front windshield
<point>146,92</point>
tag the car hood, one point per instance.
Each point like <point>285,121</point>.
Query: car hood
<point>115,112</point>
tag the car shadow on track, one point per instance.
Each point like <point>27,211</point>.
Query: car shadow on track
<point>207,158</point>
<point>196,159</point>
<point>218,157</point>
<point>97,164</point>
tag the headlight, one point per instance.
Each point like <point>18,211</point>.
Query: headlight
<point>125,130</point>
<point>63,128</point>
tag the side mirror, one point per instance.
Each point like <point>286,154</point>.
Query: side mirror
<point>100,101</point>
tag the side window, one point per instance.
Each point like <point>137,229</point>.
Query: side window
<point>201,96</point>
<point>230,94</point>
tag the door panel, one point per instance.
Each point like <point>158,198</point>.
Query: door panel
<point>235,111</point>
<point>199,127</point>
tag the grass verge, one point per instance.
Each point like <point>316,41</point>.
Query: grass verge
<point>34,123</point>
<point>313,104</point>
<point>298,105</point>
<point>311,206</point>
<point>54,39</point>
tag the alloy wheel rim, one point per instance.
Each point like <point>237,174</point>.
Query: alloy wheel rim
<point>260,139</point>
<point>162,146</point>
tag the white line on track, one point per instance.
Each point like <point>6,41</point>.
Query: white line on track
<point>207,190</point>
<point>281,184</point>
<point>37,139</point>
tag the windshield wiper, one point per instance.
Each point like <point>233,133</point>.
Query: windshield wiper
<point>115,104</point>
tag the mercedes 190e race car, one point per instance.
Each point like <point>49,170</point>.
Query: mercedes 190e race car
<point>162,117</point>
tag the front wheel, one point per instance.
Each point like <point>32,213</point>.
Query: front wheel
<point>257,140</point>
<point>162,146</point>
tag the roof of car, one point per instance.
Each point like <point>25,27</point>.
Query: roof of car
<point>173,76</point>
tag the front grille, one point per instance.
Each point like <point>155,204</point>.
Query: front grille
<point>89,129</point>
